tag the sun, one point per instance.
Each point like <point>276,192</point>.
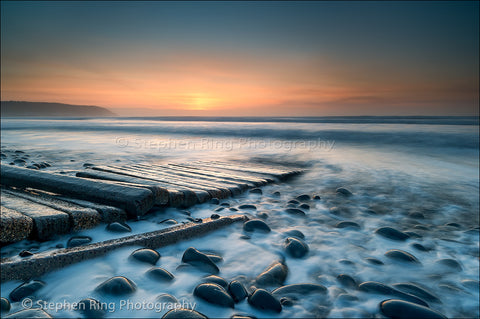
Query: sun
<point>201,101</point>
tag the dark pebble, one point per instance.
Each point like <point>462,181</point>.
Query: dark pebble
<point>245,237</point>
<point>4,305</point>
<point>256,191</point>
<point>276,194</point>
<point>347,281</point>
<point>78,241</point>
<point>293,201</point>
<point>346,262</point>
<point>345,224</point>
<point>451,263</point>
<point>118,227</point>
<point>391,233</point>
<point>256,224</point>
<point>30,313</point>
<point>291,205</point>
<point>186,212</point>
<point>400,309</point>
<point>286,302</point>
<point>183,313</point>
<point>420,247</point>
<point>237,291</point>
<point>118,285</point>
<point>379,288</point>
<point>146,255</point>
<point>343,192</point>
<point>25,253</point>
<point>91,308</point>
<point>295,247</point>
<point>275,274</point>
<point>88,164</point>
<point>25,290</point>
<point>374,261</point>
<point>295,233</point>
<point>215,201</point>
<point>19,152</point>
<point>416,290</point>
<point>263,300</point>
<point>233,209</point>
<point>316,197</point>
<point>299,289</point>
<point>471,284</point>
<point>214,216</point>
<point>214,294</point>
<point>262,215</point>
<point>20,162</point>
<point>401,255</point>
<point>225,204</point>
<point>295,211</point>
<point>416,215</point>
<point>219,209</point>
<point>455,225</point>
<point>303,198</point>
<point>166,298</point>
<point>247,206</point>
<point>200,260</point>
<point>160,274</point>
<point>32,167</point>
<point>304,206</point>
<point>216,280</point>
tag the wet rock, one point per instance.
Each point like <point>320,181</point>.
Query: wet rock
<point>160,274</point>
<point>401,255</point>
<point>295,233</point>
<point>166,299</point>
<point>263,300</point>
<point>346,262</point>
<point>346,298</point>
<point>400,309</point>
<point>450,263</point>
<point>294,202</point>
<point>379,288</point>
<point>25,253</point>
<point>416,290</point>
<point>30,313</point>
<point>91,308</point>
<point>304,207</point>
<point>215,201</point>
<point>88,164</point>
<point>200,260</point>
<point>347,281</point>
<point>78,241</point>
<point>20,162</point>
<point>186,212</point>
<point>412,234</point>
<point>237,291</point>
<point>316,197</point>
<point>118,286</point>
<point>256,224</point>
<point>25,290</point>
<point>374,261</point>
<point>219,209</point>
<point>454,225</point>
<point>262,215</point>
<point>216,280</point>
<point>275,274</point>
<point>214,216</point>
<point>420,247</point>
<point>247,206</point>
<point>298,289</point>
<point>146,255</point>
<point>416,215</point>
<point>245,237</point>
<point>340,211</point>
<point>182,313</point>
<point>303,198</point>
<point>391,233</point>
<point>295,247</point>
<point>471,284</point>
<point>291,205</point>
<point>117,227</point>
<point>256,191</point>
<point>225,204</point>
<point>421,227</point>
<point>214,294</point>
<point>343,192</point>
<point>32,167</point>
<point>169,221</point>
<point>233,209</point>
<point>295,211</point>
<point>349,224</point>
<point>4,305</point>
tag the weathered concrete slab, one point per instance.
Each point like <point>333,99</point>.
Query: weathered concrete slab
<point>44,262</point>
<point>46,220</point>
<point>80,217</point>
<point>14,226</point>
<point>134,200</point>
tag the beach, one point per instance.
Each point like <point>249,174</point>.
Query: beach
<point>389,210</point>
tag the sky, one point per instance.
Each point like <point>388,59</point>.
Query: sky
<point>286,58</point>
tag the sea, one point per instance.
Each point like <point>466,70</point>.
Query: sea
<point>419,175</point>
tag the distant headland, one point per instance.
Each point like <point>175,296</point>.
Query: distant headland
<point>49,109</point>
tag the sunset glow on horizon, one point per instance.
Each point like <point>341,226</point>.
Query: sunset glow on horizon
<point>244,58</point>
